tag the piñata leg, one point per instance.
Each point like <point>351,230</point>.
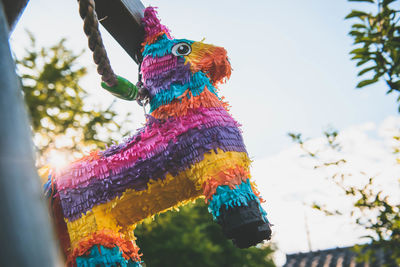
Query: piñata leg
<point>235,204</point>
<point>102,256</point>
<point>105,247</point>
<point>93,239</point>
<point>97,240</point>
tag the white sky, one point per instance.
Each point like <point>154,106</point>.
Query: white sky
<point>292,72</point>
<point>291,185</point>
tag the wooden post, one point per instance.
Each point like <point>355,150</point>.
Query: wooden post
<point>25,232</point>
<point>13,10</point>
<point>122,19</point>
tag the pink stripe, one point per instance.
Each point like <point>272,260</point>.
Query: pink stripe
<point>153,140</point>
<point>155,66</point>
<point>152,24</point>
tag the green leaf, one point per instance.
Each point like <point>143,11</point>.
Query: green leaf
<point>356,33</point>
<point>366,82</point>
<point>362,62</point>
<point>394,85</point>
<point>387,2</point>
<point>366,70</point>
<point>363,50</point>
<point>357,13</point>
<point>50,78</point>
<point>358,26</point>
<point>358,56</point>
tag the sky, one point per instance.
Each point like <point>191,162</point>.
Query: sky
<point>368,150</point>
<point>291,73</point>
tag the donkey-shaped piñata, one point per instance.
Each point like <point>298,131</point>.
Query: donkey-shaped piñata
<point>190,147</point>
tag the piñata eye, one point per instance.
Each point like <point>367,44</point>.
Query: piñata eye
<point>181,49</point>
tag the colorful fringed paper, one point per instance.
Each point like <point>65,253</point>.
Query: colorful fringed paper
<point>189,147</point>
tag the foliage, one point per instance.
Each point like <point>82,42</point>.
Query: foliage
<point>377,35</point>
<point>371,210</point>
<point>60,119</point>
<point>190,238</point>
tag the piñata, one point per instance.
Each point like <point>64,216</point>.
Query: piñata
<point>190,147</point>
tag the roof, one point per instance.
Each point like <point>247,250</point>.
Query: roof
<point>337,257</point>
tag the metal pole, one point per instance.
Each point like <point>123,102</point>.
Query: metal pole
<point>26,237</point>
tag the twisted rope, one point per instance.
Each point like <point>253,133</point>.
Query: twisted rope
<point>95,42</point>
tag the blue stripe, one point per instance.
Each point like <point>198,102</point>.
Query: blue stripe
<point>226,197</point>
<point>197,83</point>
<point>47,187</point>
<point>107,257</point>
<point>162,47</point>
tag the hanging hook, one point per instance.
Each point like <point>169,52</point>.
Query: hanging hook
<point>143,95</point>
<point>144,106</point>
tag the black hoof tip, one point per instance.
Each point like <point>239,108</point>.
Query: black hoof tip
<point>245,225</point>
<point>252,234</point>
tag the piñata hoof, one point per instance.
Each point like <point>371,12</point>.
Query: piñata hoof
<point>190,147</point>
<point>245,225</point>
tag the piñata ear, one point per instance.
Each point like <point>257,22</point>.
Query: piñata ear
<point>152,26</point>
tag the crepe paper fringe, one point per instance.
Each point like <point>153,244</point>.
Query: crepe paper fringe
<point>186,151</point>
<point>107,239</point>
<point>164,72</point>
<point>48,187</point>
<point>98,219</point>
<point>152,122</point>
<point>230,177</point>
<point>134,206</point>
<point>182,107</point>
<point>256,191</point>
<point>225,197</point>
<point>211,60</point>
<point>60,225</point>
<point>154,139</point>
<point>153,27</point>
<point>150,64</point>
<point>197,83</point>
<point>105,257</point>
<point>178,76</point>
<point>162,47</point>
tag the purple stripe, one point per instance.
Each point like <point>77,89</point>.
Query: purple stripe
<point>216,114</point>
<point>179,75</point>
<point>188,149</point>
<point>154,139</point>
<point>160,72</point>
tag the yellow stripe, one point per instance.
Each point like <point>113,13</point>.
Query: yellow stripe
<point>123,213</point>
<point>43,173</point>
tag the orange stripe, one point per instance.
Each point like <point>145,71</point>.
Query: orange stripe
<point>108,239</point>
<point>152,39</point>
<point>180,107</point>
<point>256,192</point>
<point>231,177</point>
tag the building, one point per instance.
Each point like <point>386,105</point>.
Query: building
<point>338,257</point>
